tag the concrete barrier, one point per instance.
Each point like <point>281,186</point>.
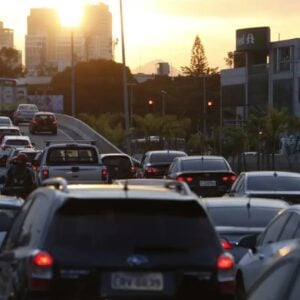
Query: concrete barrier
<point>79,130</point>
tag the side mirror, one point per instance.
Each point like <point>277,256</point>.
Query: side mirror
<point>248,241</point>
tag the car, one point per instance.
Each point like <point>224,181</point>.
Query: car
<point>76,161</point>
<point>268,184</point>
<point>154,164</point>
<point>282,279</point>
<point>237,217</point>
<point>115,242</point>
<point>24,113</point>
<point>265,248</point>
<point>14,141</point>
<point>43,122</point>
<point>9,208</point>
<point>207,175</point>
<point>119,165</point>
<point>31,154</point>
<point>5,121</point>
<point>9,130</point>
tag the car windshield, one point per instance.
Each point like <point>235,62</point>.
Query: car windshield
<point>242,216</point>
<point>5,121</point>
<point>203,165</point>
<point>28,107</point>
<point>17,142</point>
<point>9,132</point>
<point>44,118</point>
<point>273,183</point>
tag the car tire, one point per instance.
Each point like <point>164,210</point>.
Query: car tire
<point>240,293</point>
<point>54,132</point>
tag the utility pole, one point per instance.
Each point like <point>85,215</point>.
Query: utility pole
<point>72,74</point>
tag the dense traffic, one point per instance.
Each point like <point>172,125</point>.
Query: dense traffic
<point>80,224</point>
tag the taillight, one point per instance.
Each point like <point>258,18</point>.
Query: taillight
<point>226,245</point>
<point>45,173</point>
<point>187,179</point>
<point>34,122</point>
<point>43,259</point>
<point>104,174</point>
<point>133,169</point>
<point>151,170</point>
<point>54,123</point>
<point>225,262</point>
<point>40,272</point>
<point>230,178</point>
<point>225,178</point>
<point>233,178</point>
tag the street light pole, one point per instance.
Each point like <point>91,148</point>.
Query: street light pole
<point>72,74</point>
<point>125,93</point>
<point>204,104</point>
<point>164,93</point>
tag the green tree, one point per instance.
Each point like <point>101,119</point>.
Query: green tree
<point>198,64</point>
<point>9,63</point>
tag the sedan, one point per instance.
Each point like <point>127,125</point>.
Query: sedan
<point>207,175</point>
<point>268,184</point>
<point>265,249</point>
<point>235,218</point>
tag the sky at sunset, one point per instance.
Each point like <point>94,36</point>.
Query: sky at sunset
<point>166,29</point>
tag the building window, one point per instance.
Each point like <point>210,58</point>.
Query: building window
<point>283,58</point>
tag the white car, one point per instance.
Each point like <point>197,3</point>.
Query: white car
<point>14,141</point>
<point>5,121</point>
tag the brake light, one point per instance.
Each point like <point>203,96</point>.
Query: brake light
<point>152,170</point>
<point>34,122</point>
<point>45,173</point>
<point>225,178</point>
<point>54,123</point>
<point>43,259</point>
<point>225,262</point>
<point>133,169</point>
<point>40,272</point>
<point>104,174</point>
<point>233,178</point>
<point>226,245</point>
<point>186,179</point>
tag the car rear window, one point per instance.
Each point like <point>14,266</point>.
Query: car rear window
<point>9,132</point>
<point>204,165</point>
<point>117,161</point>
<point>44,117</point>
<point>241,216</point>
<point>139,226</point>
<point>28,107</point>
<point>164,157</point>
<point>17,142</point>
<point>5,121</point>
<point>7,216</point>
<point>72,156</point>
<point>273,183</point>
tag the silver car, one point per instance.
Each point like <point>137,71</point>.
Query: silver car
<point>24,113</point>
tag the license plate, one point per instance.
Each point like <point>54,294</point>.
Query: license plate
<point>207,183</point>
<point>137,281</point>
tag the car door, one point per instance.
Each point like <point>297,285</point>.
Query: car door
<point>254,262</point>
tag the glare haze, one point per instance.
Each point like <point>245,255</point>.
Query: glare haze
<point>166,29</point>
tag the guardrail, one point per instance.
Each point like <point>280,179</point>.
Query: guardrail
<point>80,130</point>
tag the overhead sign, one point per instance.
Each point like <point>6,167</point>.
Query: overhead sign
<point>253,39</point>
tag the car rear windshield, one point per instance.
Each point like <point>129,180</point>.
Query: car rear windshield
<point>9,132</point>
<point>17,142</point>
<point>140,226</point>
<point>5,121</point>
<point>72,156</point>
<point>273,183</point>
<point>44,118</point>
<point>164,157</point>
<point>204,165</point>
<point>28,107</point>
<point>241,216</point>
<point>117,161</point>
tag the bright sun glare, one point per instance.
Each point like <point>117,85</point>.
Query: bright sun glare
<point>70,13</point>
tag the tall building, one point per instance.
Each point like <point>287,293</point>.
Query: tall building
<point>6,37</point>
<point>93,40</point>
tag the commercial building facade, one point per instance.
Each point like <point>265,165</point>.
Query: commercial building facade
<point>264,74</point>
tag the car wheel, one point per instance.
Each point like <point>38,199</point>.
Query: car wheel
<point>240,293</point>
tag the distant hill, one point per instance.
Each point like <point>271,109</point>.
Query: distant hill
<point>150,68</point>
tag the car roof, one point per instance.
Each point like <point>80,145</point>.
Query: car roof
<point>5,117</point>
<point>9,127</point>
<point>271,173</point>
<point>114,155</point>
<point>70,144</point>
<point>165,151</point>
<point>44,113</point>
<point>242,202</point>
<point>16,137</point>
<point>202,157</point>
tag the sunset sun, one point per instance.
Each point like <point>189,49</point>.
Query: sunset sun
<point>70,15</point>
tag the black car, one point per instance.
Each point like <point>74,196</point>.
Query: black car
<point>155,164</point>
<point>207,175</point>
<point>235,218</point>
<point>43,122</point>
<point>119,165</point>
<point>268,184</point>
<point>113,242</point>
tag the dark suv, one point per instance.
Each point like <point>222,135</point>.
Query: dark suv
<point>113,242</point>
<point>43,122</point>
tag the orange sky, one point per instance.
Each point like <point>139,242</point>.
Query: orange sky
<point>165,29</point>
